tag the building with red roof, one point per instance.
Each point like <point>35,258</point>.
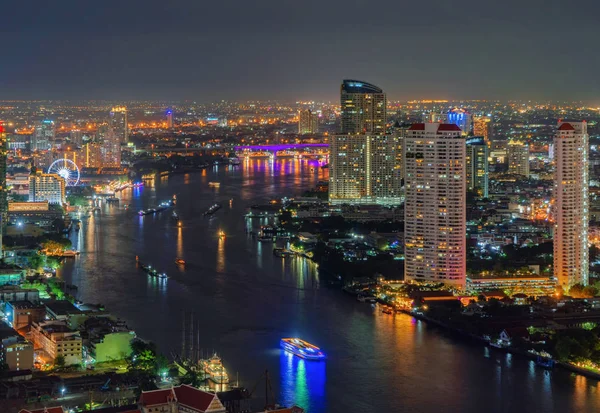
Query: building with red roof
<point>180,399</point>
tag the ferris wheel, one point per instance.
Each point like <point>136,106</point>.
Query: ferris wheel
<point>67,169</point>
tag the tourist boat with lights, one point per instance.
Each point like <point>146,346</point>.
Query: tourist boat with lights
<point>214,184</point>
<point>214,369</point>
<point>302,349</point>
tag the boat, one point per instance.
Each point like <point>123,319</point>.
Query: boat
<point>152,272</point>
<point>387,310</point>
<point>363,298</point>
<point>234,161</point>
<point>213,209</point>
<point>215,370</point>
<point>302,348</point>
<point>221,234</point>
<point>179,261</point>
<point>265,239</point>
<point>544,360</point>
<point>214,184</point>
<point>175,216</point>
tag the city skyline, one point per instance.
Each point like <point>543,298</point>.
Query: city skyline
<point>153,50</point>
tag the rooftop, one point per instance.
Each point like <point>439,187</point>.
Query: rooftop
<point>358,86</point>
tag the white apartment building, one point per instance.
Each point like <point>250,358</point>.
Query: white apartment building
<point>571,208</point>
<point>434,213</point>
<point>46,187</point>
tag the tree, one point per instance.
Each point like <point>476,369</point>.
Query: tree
<point>37,261</point>
<point>59,362</point>
<point>576,291</point>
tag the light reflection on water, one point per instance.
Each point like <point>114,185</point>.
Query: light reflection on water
<point>246,300</point>
<point>302,382</point>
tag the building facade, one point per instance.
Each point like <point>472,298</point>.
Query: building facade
<point>477,166</point>
<point>118,124</point>
<point>363,159</point>
<point>308,122</point>
<point>434,213</point>
<point>364,169</point>
<point>363,107</point>
<point>46,187</point>
<point>518,158</point>
<point>483,126</point>
<point>456,116</point>
<point>43,136</point>
<point>55,338</point>
<point>571,208</point>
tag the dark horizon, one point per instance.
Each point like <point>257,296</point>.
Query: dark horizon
<point>285,51</point>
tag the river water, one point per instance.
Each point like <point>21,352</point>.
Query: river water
<point>245,300</point>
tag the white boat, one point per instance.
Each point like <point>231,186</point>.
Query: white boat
<point>214,184</point>
<point>215,370</point>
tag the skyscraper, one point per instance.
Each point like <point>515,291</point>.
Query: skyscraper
<point>456,116</point>
<point>3,189</point>
<point>169,119</point>
<point>518,158</point>
<point>483,126</point>
<point>363,166</point>
<point>308,122</point>
<point>477,166</point>
<point>43,136</point>
<point>571,250</point>
<point>111,146</point>
<point>118,123</point>
<point>363,108</point>
<point>434,212</point>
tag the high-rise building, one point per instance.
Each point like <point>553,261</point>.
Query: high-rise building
<point>477,166</point>
<point>434,212</point>
<point>76,137</point>
<point>118,123</point>
<point>571,208</point>
<point>456,116</point>
<point>43,136</point>
<point>518,158</point>
<point>92,155</point>
<point>363,108</point>
<point>46,187</point>
<point>169,119</point>
<point>308,122</point>
<point>111,146</point>
<point>363,166</point>
<point>3,187</point>
<point>483,126</point>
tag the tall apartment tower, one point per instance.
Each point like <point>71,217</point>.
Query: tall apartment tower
<point>118,123</point>
<point>363,160</point>
<point>363,108</point>
<point>571,180</point>
<point>308,122</point>
<point>518,158</point>
<point>483,126</point>
<point>169,119</point>
<point>477,166</point>
<point>43,136</point>
<point>434,211</point>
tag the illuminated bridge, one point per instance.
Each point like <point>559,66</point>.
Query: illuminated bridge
<point>297,150</point>
<point>281,147</point>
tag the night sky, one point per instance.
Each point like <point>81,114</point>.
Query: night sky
<point>292,50</point>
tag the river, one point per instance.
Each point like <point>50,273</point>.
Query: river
<point>245,300</point>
